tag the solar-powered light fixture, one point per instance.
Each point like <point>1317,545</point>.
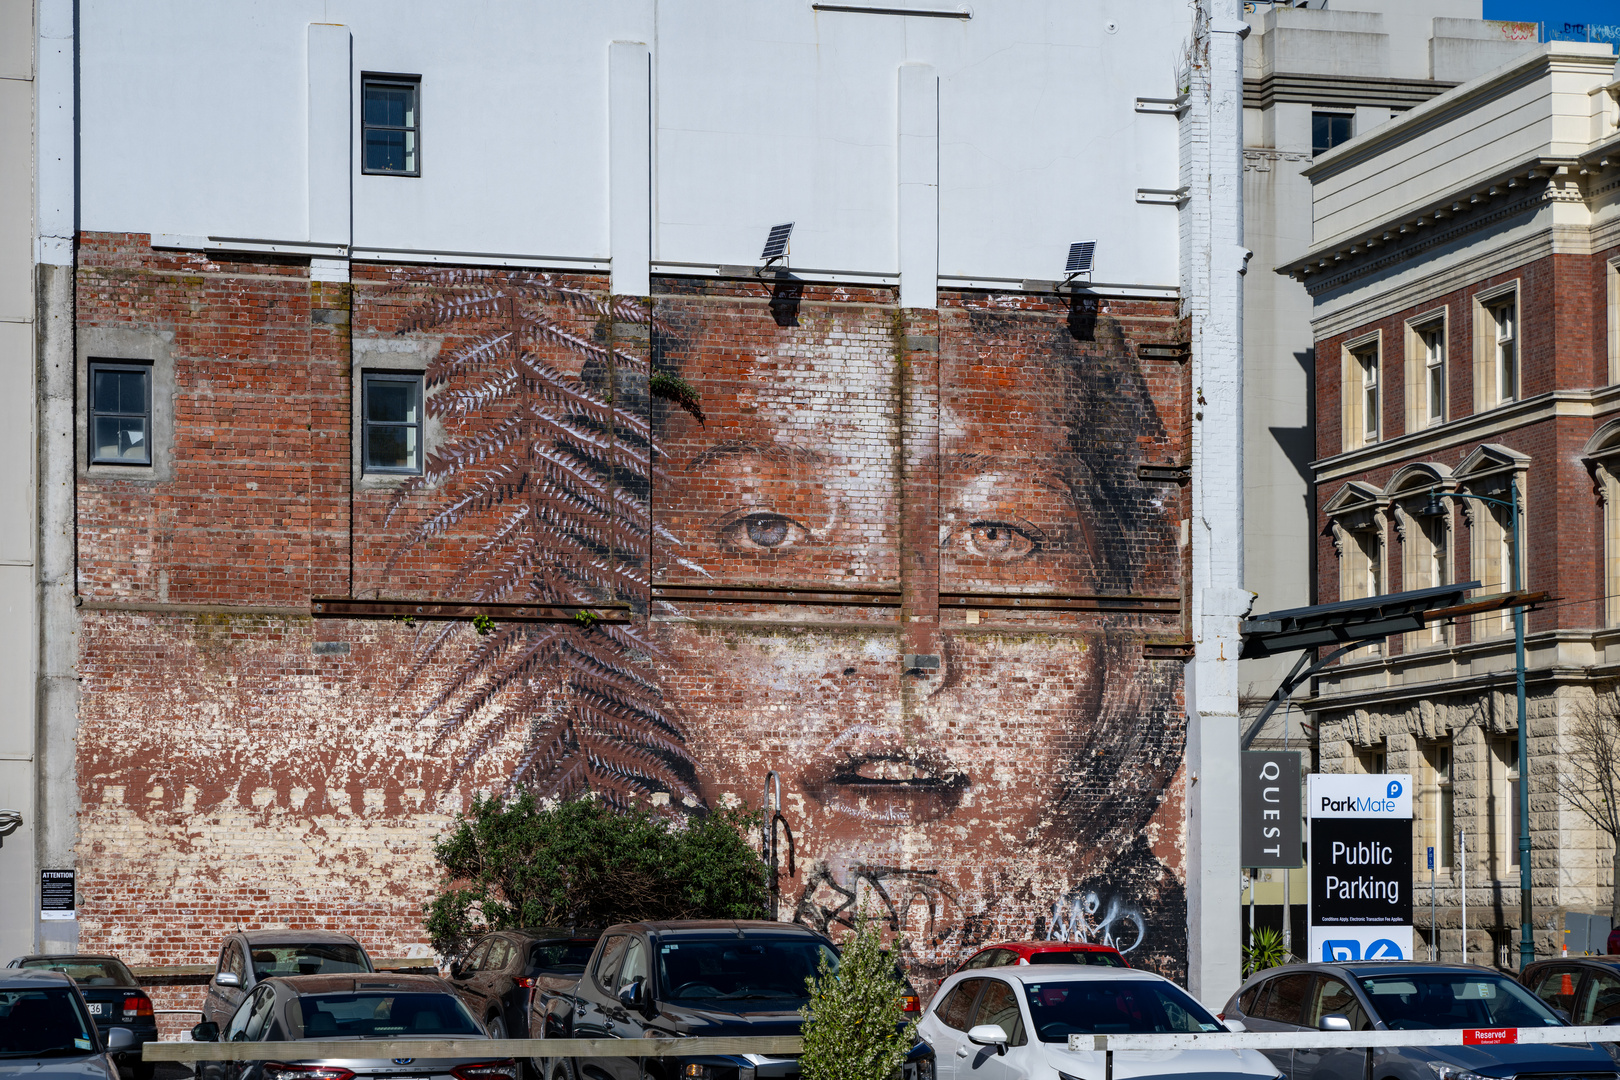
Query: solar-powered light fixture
<point>1080,260</point>
<point>776,244</point>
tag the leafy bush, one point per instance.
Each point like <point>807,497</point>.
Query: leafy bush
<point>581,863</point>
<point>855,1025</point>
<point>1265,950</point>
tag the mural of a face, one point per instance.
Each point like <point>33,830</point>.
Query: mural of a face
<point>1001,786</point>
<point>1007,792</point>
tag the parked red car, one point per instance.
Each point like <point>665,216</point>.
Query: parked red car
<point>1044,952</point>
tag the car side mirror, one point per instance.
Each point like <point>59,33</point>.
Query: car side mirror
<point>1563,1014</point>
<point>227,978</point>
<point>207,1031</point>
<point>1236,1027</point>
<point>989,1035</point>
<point>631,996</point>
<point>119,1038</point>
<point>1333,1022</point>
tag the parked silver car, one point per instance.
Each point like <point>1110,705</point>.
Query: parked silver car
<point>1394,996</point>
<point>248,956</point>
<point>359,1007</point>
<point>46,1032</point>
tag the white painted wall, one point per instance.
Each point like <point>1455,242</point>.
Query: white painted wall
<point>196,121</point>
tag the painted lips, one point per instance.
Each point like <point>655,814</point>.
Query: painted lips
<point>890,787</point>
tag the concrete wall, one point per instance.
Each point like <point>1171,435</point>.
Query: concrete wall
<point>20,629</point>
<point>761,113</point>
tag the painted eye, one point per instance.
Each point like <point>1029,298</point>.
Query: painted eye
<point>765,531</point>
<point>996,540</point>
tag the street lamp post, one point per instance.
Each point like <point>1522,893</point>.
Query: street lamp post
<point>1527,942</point>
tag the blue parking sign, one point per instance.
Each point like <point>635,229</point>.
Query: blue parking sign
<point>1431,858</point>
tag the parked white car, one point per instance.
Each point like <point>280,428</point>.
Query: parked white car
<point>1014,1023</point>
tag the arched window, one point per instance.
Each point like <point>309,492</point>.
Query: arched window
<point>1492,470</point>
<point>1356,516</point>
<point>1602,457</point>
<point>1425,538</point>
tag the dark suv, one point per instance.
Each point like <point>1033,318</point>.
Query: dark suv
<point>1390,995</point>
<point>499,975</point>
<point>248,956</point>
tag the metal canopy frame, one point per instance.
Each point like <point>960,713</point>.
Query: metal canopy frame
<point>1353,624</point>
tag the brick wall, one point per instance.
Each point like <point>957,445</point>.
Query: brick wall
<point>243,764</point>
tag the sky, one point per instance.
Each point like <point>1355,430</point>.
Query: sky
<point>1554,11</point>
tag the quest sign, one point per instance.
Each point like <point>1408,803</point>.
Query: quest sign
<point>1361,867</point>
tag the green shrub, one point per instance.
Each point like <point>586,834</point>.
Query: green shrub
<point>855,1025</point>
<point>1265,950</point>
<point>510,864</point>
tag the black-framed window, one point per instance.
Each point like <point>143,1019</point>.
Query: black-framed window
<point>391,433</point>
<point>1329,129</point>
<point>120,413</point>
<point>391,125</point>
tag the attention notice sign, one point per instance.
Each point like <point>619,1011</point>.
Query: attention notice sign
<point>1361,867</point>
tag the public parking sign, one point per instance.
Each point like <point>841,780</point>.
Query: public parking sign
<point>1361,867</point>
<point>1271,811</point>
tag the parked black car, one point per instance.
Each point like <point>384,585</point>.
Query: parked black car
<point>501,971</point>
<point>248,956</point>
<point>1399,996</point>
<point>113,996</point>
<point>705,979</point>
<point>1583,989</point>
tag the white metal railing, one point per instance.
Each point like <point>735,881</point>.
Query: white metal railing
<point>1367,1041</point>
<point>426,1049</point>
<point>1344,1040</point>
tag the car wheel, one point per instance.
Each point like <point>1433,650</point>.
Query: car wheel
<point>561,1069</point>
<point>496,1026</point>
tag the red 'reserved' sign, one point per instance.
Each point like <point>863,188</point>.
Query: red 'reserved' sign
<point>1490,1036</point>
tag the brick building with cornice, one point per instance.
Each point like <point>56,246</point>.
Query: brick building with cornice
<point>1465,275</point>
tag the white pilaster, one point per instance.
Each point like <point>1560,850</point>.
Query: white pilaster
<point>1213,262</point>
<point>918,165</point>
<point>630,167</point>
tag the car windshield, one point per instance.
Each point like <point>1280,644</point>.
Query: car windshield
<point>44,1023</point>
<point>1112,1007</point>
<point>85,972</point>
<point>377,1015</point>
<point>568,957</point>
<point>322,959</point>
<point>1454,1000</point>
<point>741,969</point>
<point>1061,956</point>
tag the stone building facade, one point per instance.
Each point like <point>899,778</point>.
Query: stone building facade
<point>1464,274</point>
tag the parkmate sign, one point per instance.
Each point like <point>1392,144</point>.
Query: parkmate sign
<point>1360,904</point>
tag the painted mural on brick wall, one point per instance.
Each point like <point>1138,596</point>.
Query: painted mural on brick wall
<point>626,458</point>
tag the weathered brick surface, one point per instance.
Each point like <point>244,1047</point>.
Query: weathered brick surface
<point>244,768</point>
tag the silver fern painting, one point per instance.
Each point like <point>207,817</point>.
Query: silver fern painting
<point>904,561</point>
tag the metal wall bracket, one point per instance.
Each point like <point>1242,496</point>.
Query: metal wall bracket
<point>1168,196</point>
<point>1175,106</point>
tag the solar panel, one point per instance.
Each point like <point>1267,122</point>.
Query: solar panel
<point>1080,257</point>
<point>776,243</point>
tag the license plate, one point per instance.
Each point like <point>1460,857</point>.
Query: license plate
<point>98,1008</point>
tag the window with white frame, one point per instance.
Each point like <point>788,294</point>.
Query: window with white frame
<point>1491,552</point>
<point>1367,365</point>
<point>1439,803</point>
<point>1611,548</point>
<point>1372,760</point>
<point>1504,349</point>
<point>1362,398</point>
<point>1504,806</point>
<point>1434,373</point>
<point>1426,564</point>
